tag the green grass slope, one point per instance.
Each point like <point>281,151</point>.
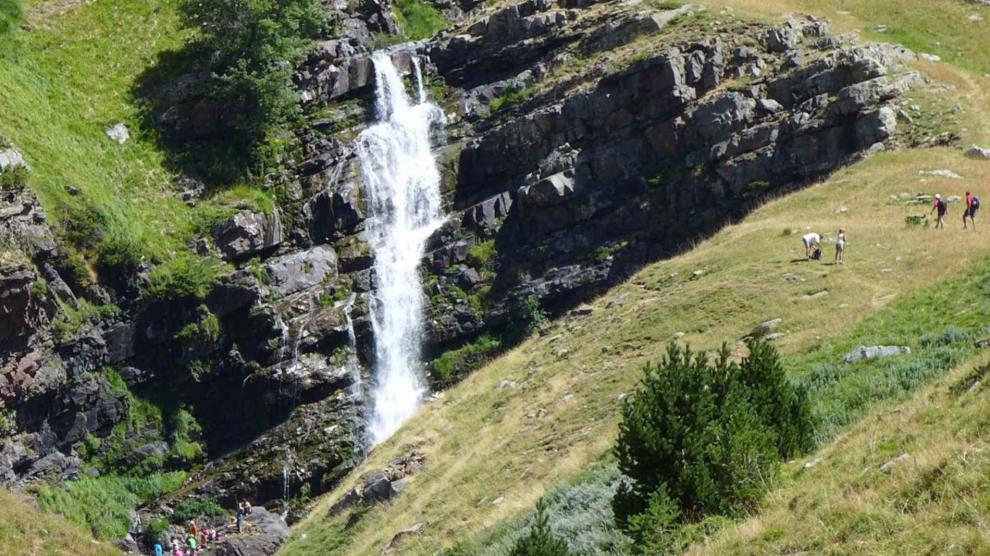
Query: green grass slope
<point>69,74</point>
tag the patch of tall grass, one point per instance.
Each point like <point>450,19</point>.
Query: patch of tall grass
<point>103,505</point>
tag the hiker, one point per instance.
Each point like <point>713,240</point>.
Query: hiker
<point>193,545</point>
<point>240,517</point>
<point>812,245</point>
<point>192,528</point>
<point>942,208</point>
<point>159,551</point>
<point>840,247</point>
<point>972,205</point>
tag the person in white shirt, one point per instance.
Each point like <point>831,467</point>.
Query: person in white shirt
<point>840,247</point>
<point>812,241</point>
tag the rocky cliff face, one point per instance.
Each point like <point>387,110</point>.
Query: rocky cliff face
<point>584,140</point>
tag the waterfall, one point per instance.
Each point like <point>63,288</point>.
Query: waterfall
<point>284,341</point>
<point>420,92</point>
<point>286,467</point>
<point>402,195</point>
<point>352,362</point>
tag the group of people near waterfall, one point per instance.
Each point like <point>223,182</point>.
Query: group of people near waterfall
<point>941,208</point>
<point>198,538</point>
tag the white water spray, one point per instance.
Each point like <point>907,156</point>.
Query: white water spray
<point>352,362</point>
<point>402,195</point>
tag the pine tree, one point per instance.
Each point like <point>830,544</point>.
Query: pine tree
<point>540,541</point>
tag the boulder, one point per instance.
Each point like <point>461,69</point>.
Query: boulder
<point>11,158</point>
<point>264,532</point>
<point>890,465</point>
<point>467,278</point>
<point>303,270</point>
<point>548,191</point>
<point>781,39</point>
<point>332,211</point>
<point>16,314</point>
<point>876,127</point>
<point>118,133</point>
<point>765,328</point>
<point>247,234</point>
<point>871,352</point>
<point>486,214</point>
<point>978,152</point>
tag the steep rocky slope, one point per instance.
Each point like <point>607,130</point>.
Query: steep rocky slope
<point>583,141</point>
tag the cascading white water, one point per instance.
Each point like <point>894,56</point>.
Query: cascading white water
<point>402,195</point>
<point>352,361</point>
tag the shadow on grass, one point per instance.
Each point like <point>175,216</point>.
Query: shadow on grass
<point>201,134</point>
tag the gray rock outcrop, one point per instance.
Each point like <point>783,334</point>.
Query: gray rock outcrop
<point>871,352</point>
<point>248,233</point>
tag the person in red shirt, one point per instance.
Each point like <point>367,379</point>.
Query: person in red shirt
<point>972,205</point>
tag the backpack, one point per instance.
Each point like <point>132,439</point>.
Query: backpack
<point>975,203</point>
<point>817,254</point>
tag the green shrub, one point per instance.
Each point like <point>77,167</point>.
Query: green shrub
<point>783,406</point>
<point>156,528</point>
<point>418,19</point>
<point>511,97</point>
<point>253,46</point>
<point>11,15</point>
<point>195,508</point>
<point>16,177</point>
<point>186,276</point>
<point>203,333</point>
<point>540,541</point>
<point>455,364</point>
<point>528,317</point>
<point>654,531</point>
<point>701,432</point>
<point>119,255</point>
<point>481,254</point>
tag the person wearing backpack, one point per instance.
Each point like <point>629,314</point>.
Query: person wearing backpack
<point>972,205</point>
<point>942,208</point>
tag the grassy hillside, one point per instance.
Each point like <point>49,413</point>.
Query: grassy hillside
<point>940,27</point>
<point>26,531</point>
<point>69,74</point>
<point>841,500</point>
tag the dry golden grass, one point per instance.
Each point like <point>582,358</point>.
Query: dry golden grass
<point>934,501</point>
<point>26,531</point>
